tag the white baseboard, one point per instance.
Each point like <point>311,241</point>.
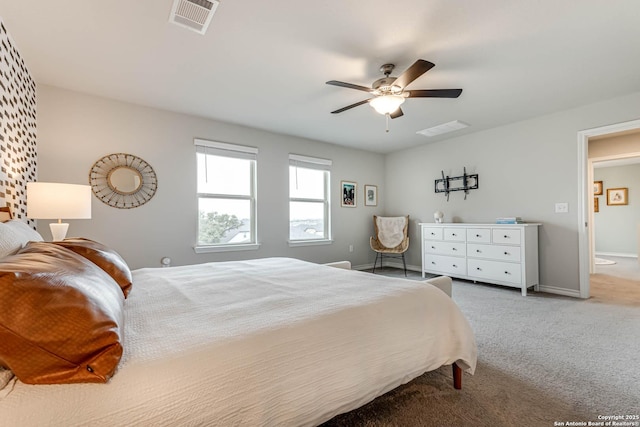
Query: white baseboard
<point>548,289</point>
<point>398,264</point>
<point>362,267</point>
<point>622,255</point>
<point>393,264</point>
<point>560,291</point>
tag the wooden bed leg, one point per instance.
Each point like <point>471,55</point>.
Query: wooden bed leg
<point>457,377</point>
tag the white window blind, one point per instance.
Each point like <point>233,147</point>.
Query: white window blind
<point>226,190</point>
<point>309,208</point>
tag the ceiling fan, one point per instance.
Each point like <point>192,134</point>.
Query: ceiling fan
<point>390,92</point>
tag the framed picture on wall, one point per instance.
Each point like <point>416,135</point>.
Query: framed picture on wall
<point>370,195</point>
<point>596,204</point>
<point>597,188</point>
<point>348,195</point>
<point>617,196</point>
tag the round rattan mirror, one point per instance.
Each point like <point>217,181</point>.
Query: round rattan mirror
<point>123,181</point>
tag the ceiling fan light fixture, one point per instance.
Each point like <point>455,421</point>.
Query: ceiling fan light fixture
<point>387,104</point>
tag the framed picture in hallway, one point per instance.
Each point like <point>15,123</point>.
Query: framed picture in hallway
<point>596,204</point>
<point>617,196</point>
<point>597,188</point>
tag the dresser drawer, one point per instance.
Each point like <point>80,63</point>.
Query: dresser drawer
<point>495,271</point>
<point>445,248</point>
<point>479,235</point>
<point>509,236</point>
<point>455,234</point>
<point>495,252</point>
<point>445,264</point>
<point>432,233</point>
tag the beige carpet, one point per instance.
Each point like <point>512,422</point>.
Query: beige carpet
<point>541,359</point>
<point>490,398</point>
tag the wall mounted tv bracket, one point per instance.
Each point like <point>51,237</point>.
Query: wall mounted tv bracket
<point>465,182</point>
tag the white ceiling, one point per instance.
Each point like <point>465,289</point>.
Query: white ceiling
<point>264,64</point>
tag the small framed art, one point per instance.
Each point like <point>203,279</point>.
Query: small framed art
<point>348,195</point>
<point>597,188</point>
<point>596,204</point>
<point>370,195</point>
<point>617,196</point>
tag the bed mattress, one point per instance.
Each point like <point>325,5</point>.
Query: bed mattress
<point>267,342</point>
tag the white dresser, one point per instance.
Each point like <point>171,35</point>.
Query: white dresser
<point>503,254</point>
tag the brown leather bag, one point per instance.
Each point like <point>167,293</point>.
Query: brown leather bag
<point>102,256</point>
<point>61,317</point>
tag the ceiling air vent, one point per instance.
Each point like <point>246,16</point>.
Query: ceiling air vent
<point>193,14</point>
<point>443,128</point>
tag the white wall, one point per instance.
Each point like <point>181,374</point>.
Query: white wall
<point>616,225</point>
<point>524,169</point>
<point>75,130</point>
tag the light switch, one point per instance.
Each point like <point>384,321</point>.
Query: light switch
<point>562,207</point>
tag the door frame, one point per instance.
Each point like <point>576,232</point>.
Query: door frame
<point>585,195</point>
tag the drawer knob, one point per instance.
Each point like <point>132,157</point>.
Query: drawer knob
<point>506,253</point>
<point>433,247</point>
<point>454,234</point>
<point>433,262</point>
<point>478,268</point>
<point>455,266</point>
<point>477,235</point>
<point>478,251</point>
<point>455,249</point>
<point>506,237</point>
<point>506,272</point>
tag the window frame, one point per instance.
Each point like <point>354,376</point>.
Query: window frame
<point>224,149</point>
<point>324,165</point>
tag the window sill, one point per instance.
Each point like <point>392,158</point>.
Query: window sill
<point>226,248</point>
<point>296,243</point>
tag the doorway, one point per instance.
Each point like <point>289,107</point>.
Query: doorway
<point>586,244</point>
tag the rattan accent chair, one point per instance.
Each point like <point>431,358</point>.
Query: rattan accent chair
<point>391,238</point>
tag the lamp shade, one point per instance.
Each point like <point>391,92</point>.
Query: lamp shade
<point>51,200</point>
<point>386,104</point>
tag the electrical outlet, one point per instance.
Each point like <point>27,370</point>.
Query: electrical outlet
<point>562,207</point>
<point>350,248</point>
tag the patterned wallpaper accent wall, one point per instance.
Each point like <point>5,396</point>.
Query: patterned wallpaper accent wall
<point>18,152</point>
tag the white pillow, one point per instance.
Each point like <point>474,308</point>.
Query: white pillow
<point>14,235</point>
<point>5,376</point>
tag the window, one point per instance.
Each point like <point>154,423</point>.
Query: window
<point>226,196</point>
<point>309,210</point>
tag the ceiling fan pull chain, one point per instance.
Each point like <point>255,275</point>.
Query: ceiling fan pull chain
<point>387,116</point>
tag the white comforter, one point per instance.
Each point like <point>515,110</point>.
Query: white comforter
<point>276,342</point>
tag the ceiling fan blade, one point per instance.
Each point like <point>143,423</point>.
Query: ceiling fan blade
<point>349,85</point>
<point>434,93</point>
<point>348,107</point>
<point>416,70</point>
<point>397,113</point>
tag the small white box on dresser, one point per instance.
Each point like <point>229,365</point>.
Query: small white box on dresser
<point>502,254</point>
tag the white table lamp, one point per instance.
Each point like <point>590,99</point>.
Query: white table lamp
<point>51,200</point>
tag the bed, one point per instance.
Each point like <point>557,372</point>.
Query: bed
<point>274,341</point>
